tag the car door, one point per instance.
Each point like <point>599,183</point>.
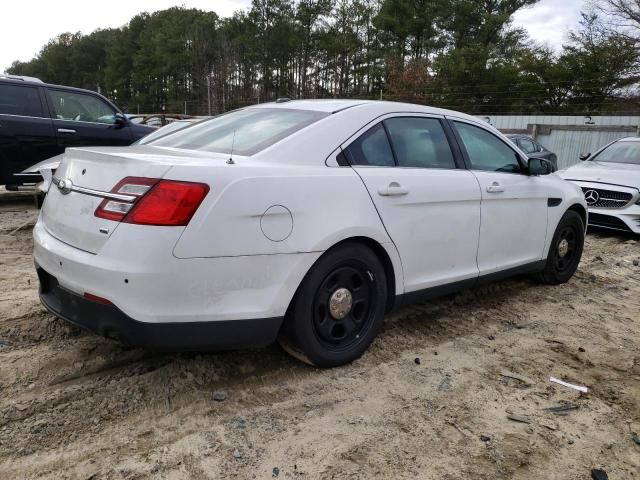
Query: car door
<point>429,206</point>
<point>513,225</point>
<point>81,119</point>
<point>26,131</point>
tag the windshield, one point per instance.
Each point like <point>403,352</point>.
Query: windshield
<point>254,129</point>
<point>620,152</point>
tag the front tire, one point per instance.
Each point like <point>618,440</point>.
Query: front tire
<point>565,251</point>
<point>338,308</point>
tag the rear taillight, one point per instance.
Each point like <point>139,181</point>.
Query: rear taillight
<point>155,202</point>
<point>116,210</point>
<point>168,203</point>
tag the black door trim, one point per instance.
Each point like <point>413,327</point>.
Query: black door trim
<point>454,145</point>
<point>431,293</point>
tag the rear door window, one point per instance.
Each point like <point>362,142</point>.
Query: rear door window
<point>419,142</point>
<point>21,100</point>
<point>371,149</point>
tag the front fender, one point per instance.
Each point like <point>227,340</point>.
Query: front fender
<point>571,196</point>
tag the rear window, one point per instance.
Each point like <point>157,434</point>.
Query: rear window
<point>254,129</point>
<point>20,100</point>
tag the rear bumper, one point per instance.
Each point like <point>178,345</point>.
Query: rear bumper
<point>136,271</point>
<point>111,322</point>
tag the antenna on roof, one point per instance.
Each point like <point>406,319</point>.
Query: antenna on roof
<point>233,142</point>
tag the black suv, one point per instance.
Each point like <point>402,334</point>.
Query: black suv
<point>38,121</point>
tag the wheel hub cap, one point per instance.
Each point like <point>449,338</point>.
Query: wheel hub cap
<point>340,303</point>
<point>563,248</point>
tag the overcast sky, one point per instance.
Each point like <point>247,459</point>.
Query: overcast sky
<point>28,24</point>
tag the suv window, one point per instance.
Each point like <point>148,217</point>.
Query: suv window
<point>20,100</point>
<point>371,148</point>
<point>528,146</point>
<point>80,107</point>
<point>419,142</point>
<point>486,151</point>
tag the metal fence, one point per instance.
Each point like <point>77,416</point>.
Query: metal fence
<point>569,136</point>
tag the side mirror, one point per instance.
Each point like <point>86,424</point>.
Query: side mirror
<point>540,166</point>
<point>584,156</point>
<point>119,120</point>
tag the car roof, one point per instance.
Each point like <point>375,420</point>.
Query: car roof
<point>328,106</point>
<point>39,83</point>
<point>629,139</point>
<point>20,78</point>
<point>338,105</point>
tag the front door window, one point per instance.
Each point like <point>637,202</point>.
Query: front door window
<point>81,107</point>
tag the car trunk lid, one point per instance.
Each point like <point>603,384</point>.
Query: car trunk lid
<point>83,176</point>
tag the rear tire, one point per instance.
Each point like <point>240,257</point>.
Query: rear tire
<point>338,309</point>
<point>565,250</point>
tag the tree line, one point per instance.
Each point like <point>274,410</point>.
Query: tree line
<point>459,54</point>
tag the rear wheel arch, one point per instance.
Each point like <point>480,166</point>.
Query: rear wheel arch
<point>305,333</point>
<point>384,258</point>
<point>379,251</point>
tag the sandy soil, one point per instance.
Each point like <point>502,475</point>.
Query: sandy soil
<point>427,401</point>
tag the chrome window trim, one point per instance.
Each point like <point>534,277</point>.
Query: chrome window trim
<point>83,121</point>
<point>23,116</point>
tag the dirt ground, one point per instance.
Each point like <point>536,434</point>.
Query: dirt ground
<point>429,400</point>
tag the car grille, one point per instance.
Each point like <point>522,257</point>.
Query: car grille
<point>607,221</point>
<point>597,197</point>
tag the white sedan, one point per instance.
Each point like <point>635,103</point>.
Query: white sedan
<point>302,221</point>
<point>610,180</point>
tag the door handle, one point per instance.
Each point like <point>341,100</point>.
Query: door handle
<point>495,187</point>
<point>66,130</point>
<point>392,190</point>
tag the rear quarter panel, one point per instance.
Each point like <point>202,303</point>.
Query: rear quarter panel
<point>326,204</point>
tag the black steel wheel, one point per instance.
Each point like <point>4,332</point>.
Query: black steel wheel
<point>338,308</point>
<point>566,248</point>
<point>343,304</point>
<point>565,251</point>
